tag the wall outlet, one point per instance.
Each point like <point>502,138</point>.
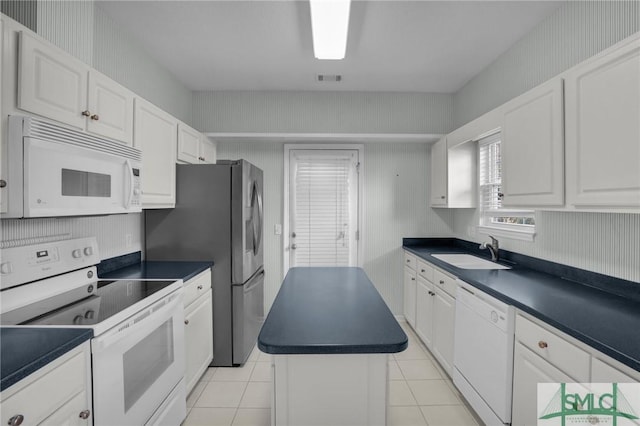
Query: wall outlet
<point>277,229</point>
<point>128,240</point>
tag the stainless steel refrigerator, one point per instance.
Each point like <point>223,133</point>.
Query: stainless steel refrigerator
<point>218,217</point>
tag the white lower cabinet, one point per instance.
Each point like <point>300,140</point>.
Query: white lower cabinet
<point>410,295</point>
<point>425,297</point>
<point>430,306</point>
<point>198,328</point>
<point>444,315</point>
<point>530,369</point>
<point>57,394</point>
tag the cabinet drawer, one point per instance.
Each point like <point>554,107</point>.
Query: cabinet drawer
<point>66,378</point>
<point>409,260</point>
<point>567,357</point>
<point>445,282</point>
<point>425,270</point>
<point>196,287</point>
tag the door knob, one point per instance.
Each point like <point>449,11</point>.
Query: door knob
<point>294,246</point>
<point>293,235</point>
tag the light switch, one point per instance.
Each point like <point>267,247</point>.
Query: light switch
<point>277,229</point>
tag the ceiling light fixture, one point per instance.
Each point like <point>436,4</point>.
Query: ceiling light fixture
<point>329,27</point>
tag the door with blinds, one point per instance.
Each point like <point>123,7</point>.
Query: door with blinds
<point>323,207</point>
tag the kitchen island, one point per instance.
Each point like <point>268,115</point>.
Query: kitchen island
<point>330,333</point>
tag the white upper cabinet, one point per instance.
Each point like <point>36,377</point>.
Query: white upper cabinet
<point>533,148</point>
<point>602,113</point>
<point>155,134</point>
<point>194,147</point>
<point>51,82</point>
<point>111,108</point>
<point>208,150</point>
<point>188,144</point>
<point>54,84</point>
<point>439,173</point>
<point>453,175</point>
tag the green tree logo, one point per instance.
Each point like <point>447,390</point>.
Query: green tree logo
<point>590,406</point>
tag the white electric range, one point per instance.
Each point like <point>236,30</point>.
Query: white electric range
<point>138,345</point>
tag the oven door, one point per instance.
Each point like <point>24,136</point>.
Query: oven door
<point>67,180</point>
<point>138,363</point>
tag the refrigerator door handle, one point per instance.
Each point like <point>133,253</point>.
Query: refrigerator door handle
<point>254,281</point>
<point>256,203</point>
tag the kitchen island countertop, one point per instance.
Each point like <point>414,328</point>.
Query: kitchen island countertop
<point>330,310</point>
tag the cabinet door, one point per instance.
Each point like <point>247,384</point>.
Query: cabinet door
<point>529,370</point>
<point>155,134</point>
<point>3,137</point>
<point>198,339</point>
<point>439,173</point>
<point>602,131</point>
<point>533,148</point>
<point>424,311</point>
<point>188,144</point>
<point>111,109</point>
<point>208,151</point>
<point>444,313</point>
<point>410,296</point>
<point>51,83</point>
<point>76,412</point>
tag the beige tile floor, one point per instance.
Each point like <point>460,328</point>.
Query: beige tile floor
<point>420,393</point>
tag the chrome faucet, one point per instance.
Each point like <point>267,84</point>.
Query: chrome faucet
<point>493,248</point>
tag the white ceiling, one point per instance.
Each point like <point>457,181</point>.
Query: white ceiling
<point>405,46</point>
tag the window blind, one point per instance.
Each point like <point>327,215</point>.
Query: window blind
<point>490,178</point>
<point>323,209</point>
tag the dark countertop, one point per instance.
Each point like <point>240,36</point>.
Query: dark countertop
<point>159,270</point>
<point>330,310</point>
<point>606,321</point>
<point>23,350</point>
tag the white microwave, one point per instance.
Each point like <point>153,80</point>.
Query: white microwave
<point>57,171</point>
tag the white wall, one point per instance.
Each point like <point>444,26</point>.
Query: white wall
<point>396,191</point>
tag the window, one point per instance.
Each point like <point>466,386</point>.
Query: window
<point>494,218</point>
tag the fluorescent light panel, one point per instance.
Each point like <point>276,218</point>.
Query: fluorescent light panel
<point>329,27</point>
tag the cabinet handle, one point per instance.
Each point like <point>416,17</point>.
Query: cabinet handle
<point>16,420</point>
<point>3,183</point>
<point>95,117</point>
<point>86,113</point>
<point>186,322</point>
<point>421,270</point>
<point>85,414</point>
<point>441,282</point>
<point>432,293</point>
<point>542,344</point>
<point>413,279</point>
<point>408,260</point>
<point>200,287</point>
<point>442,197</point>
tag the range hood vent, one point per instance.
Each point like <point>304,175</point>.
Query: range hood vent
<point>329,78</point>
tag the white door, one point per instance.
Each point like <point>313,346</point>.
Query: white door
<point>156,134</point>
<point>602,131</point>
<point>410,288</point>
<point>425,297</point>
<point>188,144</point>
<point>111,108</point>
<point>439,173</point>
<point>52,83</point>
<point>323,207</point>
<point>444,308</point>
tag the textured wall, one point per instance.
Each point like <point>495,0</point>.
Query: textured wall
<point>578,30</point>
<point>322,112</point>
<point>23,11</point>
<point>123,60</point>
<point>607,243</point>
<point>68,25</point>
<point>110,231</point>
<point>396,186</point>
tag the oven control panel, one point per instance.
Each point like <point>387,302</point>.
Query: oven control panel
<point>26,263</point>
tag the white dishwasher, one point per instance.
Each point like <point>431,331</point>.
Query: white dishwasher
<point>483,354</point>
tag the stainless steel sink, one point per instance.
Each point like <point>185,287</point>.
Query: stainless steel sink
<point>467,261</point>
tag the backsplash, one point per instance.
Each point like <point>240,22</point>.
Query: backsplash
<point>116,234</point>
<point>606,243</point>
